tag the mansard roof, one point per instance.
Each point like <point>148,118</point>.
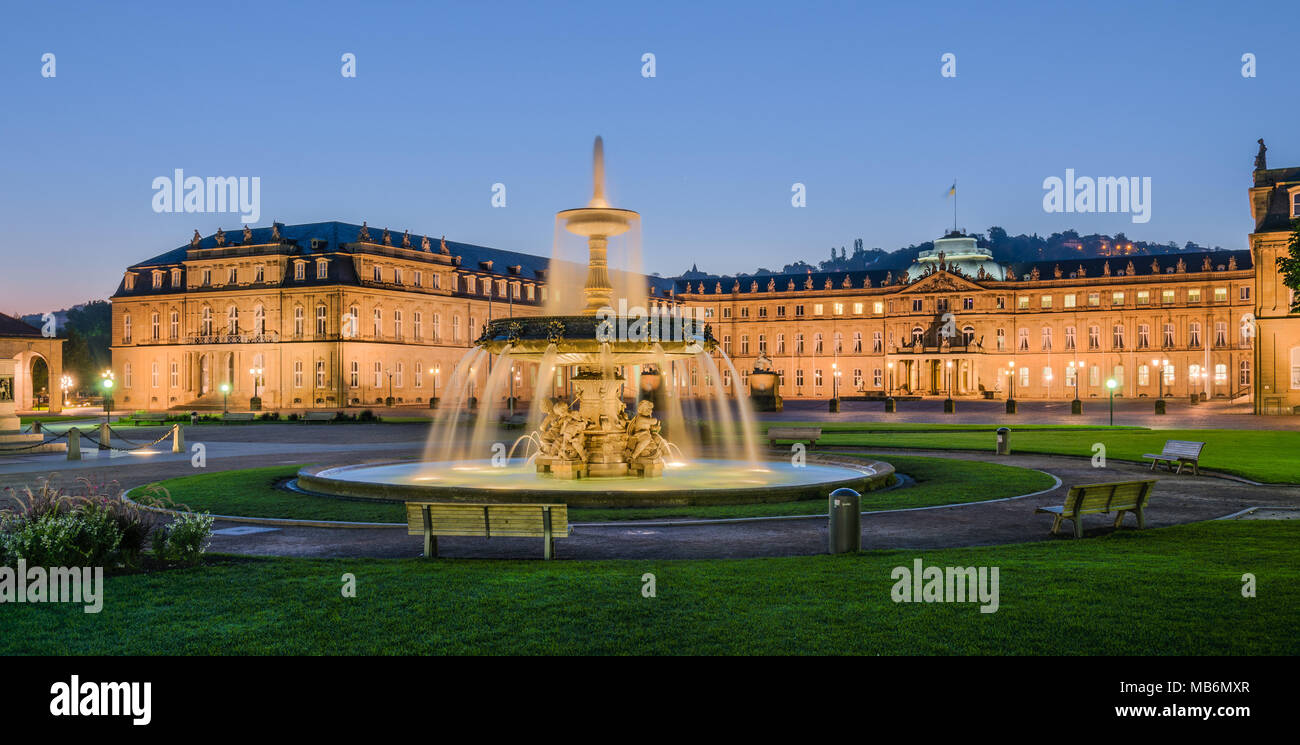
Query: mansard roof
<point>10,327</point>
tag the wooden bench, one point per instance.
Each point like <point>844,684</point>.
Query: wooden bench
<point>797,434</point>
<point>432,519</point>
<point>1090,499</point>
<point>317,416</point>
<point>236,416</point>
<point>1182,452</point>
<point>144,417</point>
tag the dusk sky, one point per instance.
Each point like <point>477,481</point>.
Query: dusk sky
<point>747,100</point>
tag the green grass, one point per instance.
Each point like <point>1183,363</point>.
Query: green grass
<point>1172,591</point>
<point>253,493</point>
<point>1268,456</point>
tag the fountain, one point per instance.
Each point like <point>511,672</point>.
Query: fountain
<point>587,448</point>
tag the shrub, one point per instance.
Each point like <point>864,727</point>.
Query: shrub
<point>367,416</point>
<point>185,539</point>
<point>49,526</point>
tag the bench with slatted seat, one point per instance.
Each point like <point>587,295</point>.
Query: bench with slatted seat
<point>317,416</point>
<point>235,416</point>
<point>432,519</point>
<point>143,417</point>
<point>1182,452</point>
<point>793,434</point>
<point>1092,499</point>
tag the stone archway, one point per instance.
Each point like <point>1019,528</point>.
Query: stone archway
<point>28,365</point>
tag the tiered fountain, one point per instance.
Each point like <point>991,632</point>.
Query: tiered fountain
<point>588,449</point>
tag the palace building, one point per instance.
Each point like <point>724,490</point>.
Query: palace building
<point>331,315</point>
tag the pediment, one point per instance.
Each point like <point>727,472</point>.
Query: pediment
<point>940,281</point>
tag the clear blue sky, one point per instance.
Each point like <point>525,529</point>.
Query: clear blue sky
<point>748,99</point>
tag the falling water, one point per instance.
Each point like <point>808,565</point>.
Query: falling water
<point>748,430</point>
<point>489,407</point>
<point>443,437</point>
<point>674,423</point>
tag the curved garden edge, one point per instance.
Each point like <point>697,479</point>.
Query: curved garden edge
<point>300,523</point>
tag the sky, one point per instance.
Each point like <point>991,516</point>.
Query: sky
<point>747,100</point>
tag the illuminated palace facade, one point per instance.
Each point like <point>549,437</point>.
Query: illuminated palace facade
<point>322,315</point>
<point>957,323</point>
<point>334,314</point>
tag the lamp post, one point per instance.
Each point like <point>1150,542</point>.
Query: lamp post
<point>433,400</point>
<point>948,406</point>
<point>389,400</point>
<point>1160,366</point>
<point>106,382</point>
<point>256,401</point>
<point>890,404</point>
<point>1111,385</point>
<point>65,385</point>
<point>1076,406</point>
<point>1011,386</point>
<point>225,398</point>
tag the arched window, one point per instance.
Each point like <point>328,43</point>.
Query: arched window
<point>232,320</point>
<point>206,325</point>
<point>259,320</point>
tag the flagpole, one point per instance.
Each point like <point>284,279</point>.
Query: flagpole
<point>954,205</point>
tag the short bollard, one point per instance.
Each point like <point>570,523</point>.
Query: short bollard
<point>104,442</point>
<point>844,529</point>
<point>74,443</point>
<point>36,427</point>
<point>1004,441</point>
<point>949,406</point>
<point>1011,406</point>
<point>178,439</point>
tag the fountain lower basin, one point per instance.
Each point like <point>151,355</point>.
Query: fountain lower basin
<point>700,482</point>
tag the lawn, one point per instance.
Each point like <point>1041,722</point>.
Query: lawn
<point>253,493</point>
<point>1267,456</point>
<point>1172,591</point>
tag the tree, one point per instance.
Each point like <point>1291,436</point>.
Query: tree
<point>1289,265</point>
<point>89,333</point>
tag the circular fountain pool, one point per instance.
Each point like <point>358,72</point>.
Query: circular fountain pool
<point>699,482</point>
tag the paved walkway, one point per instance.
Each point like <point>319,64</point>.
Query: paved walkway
<point>1177,499</point>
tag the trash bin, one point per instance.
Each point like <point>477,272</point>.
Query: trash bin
<point>844,530</point>
<point>1004,441</point>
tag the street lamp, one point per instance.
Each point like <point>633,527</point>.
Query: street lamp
<point>890,365</point>
<point>433,401</point>
<point>389,401</point>
<point>1111,384</point>
<point>65,385</point>
<point>947,404</point>
<point>1160,365</point>
<point>106,382</point>
<point>256,372</point>
<point>225,397</point>
<point>1011,386</point>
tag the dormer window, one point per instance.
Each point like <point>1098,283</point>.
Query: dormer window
<point>129,281</point>
<point>300,270</point>
<point>322,268</point>
<point>1295,201</point>
<point>157,279</point>
<point>379,273</point>
<point>176,278</point>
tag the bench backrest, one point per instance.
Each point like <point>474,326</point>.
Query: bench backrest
<point>1109,497</point>
<point>459,518</point>
<point>320,416</point>
<point>1183,449</point>
<point>236,417</point>
<point>785,433</point>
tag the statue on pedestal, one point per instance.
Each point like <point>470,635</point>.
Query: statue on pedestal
<point>643,440</point>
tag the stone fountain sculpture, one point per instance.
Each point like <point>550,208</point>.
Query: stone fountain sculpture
<point>592,436</point>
